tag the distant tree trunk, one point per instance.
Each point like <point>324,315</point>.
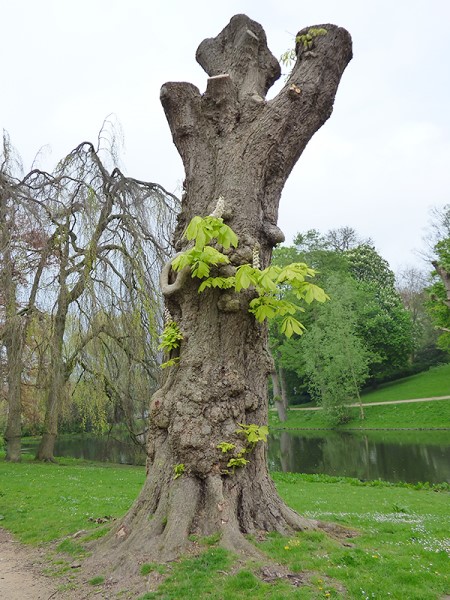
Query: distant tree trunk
<point>46,447</point>
<point>56,376</point>
<point>284,396</point>
<point>238,146</point>
<point>14,344</point>
<point>444,274</point>
<point>12,326</point>
<point>277,398</point>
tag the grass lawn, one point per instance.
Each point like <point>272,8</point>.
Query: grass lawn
<point>435,382</point>
<point>417,415</point>
<point>401,551</point>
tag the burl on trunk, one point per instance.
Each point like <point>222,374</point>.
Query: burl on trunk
<point>236,145</point>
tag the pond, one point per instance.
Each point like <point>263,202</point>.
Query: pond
<point>409,456</point>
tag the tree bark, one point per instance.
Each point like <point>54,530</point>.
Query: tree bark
<point>445,276</point>
<point>236,145</point>
<point>14,344</point>
<point>277,397</point>
<point>284,396</point>
<point>45,451</point>
<point>12,329</point>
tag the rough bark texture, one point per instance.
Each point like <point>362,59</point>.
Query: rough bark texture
<point>278,398</point>
<point>237,145</point>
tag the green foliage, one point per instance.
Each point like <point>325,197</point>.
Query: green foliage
<point>170,337</point>
<point>170,363</point>
<point>438,305</point>
<point>199,261</point>
<point>268,283</point>
<point>238,461</point>
<point>253,433</point>
<point>307,39</point>
<point>179,470</point>
<point>381,324</point>
<point>288,57</point>
<point>226,447</point>
<point>336,360</point>
<point>223,283</point>
<point>97,580</point>
<point>205,229</point>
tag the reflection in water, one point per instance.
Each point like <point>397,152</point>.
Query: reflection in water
<point>358,455</point>
<point>392,456</point>
<point>103,449</point>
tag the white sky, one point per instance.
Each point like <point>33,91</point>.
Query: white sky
<point>378,164</point>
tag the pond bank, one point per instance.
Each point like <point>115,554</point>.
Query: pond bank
<point>408,416</point>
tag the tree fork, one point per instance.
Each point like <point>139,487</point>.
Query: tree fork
<point>236,145</point>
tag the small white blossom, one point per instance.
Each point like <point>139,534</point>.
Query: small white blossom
<point>256,264</point>
<point>220,207</point>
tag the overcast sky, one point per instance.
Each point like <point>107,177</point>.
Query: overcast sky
<point>378,165</point>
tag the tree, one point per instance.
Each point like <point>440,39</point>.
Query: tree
<point>71,244</point>
<point>439,305</point>
<point>383,322</point>
<point>22,257</point>
<point>100,219</point>
<point>237,146</point>
<point>412,285</point>
<point>383,325</point>
<point>336,360</point>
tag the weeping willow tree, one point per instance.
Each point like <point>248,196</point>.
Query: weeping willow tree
<point>103,224</point>
<point>77,243</point>
<point>23,253</point>
<point>115,356</point>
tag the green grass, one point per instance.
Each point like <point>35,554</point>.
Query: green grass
<point>43,502</point>
<point>401,551</point>
<point>431,383</point>
<point>417,415</point>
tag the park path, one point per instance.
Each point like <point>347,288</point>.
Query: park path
<point>380,403</point>
<point>20,571</point>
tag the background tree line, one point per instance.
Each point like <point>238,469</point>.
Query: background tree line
<point>375,328</point>
<point>80,254</point>
<point>80,309</point>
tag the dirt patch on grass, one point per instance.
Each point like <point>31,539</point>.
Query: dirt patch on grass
<point>21,576</point>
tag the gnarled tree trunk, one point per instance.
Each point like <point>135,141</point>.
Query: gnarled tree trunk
<point>238,146</point>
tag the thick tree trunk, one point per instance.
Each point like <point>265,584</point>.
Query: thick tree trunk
<point>277,397</point>
<point>238,146</point>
